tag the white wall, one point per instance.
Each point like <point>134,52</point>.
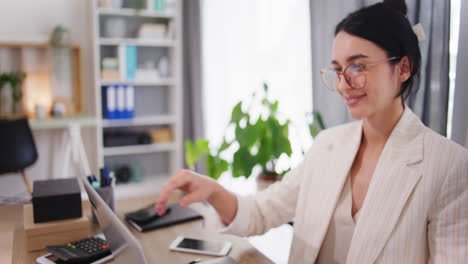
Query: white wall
<point>460,106</point>
<point>33,20</point>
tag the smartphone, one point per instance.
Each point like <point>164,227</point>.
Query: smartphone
<point>205,247</point>
<point>51,259</point>
<point>145,215</point>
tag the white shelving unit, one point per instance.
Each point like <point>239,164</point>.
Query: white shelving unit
<point>158,101</point>
<point>138,149</point>
<point>160,82</point>
<point>130,12</point>
<point>140,121</point>
<point>137,42</point>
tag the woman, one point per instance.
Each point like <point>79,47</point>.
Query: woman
<point>384,189</point>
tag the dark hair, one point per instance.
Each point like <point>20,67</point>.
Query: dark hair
<point>386,25</point>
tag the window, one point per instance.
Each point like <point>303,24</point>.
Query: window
<point>246,43</point>
<point>453,49</point>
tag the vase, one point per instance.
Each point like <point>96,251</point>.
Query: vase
<point>265,179</point>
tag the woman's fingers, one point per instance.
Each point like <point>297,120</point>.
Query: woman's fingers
<point>175,183</point>
<point>192,197</point>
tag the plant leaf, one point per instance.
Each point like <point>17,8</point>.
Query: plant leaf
<point>189,154</point>
<point>237,113</point>
<point>215,166</point>
<point>194,151</point>
<point>243,163</point>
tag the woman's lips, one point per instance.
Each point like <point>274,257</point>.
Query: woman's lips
<point>352,100</point>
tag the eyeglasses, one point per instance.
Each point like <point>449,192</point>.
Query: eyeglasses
<point>354,75</point>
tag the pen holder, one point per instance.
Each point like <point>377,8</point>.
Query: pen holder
<point>107,194</point>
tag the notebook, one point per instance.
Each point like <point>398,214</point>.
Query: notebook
<point>177,215</point>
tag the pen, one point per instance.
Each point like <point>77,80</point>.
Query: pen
<point>106,175</point>
<point>101,176</point>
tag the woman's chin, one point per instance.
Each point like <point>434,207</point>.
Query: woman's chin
<point>357,112</point>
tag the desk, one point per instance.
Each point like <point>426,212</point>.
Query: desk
<point>155,243</point>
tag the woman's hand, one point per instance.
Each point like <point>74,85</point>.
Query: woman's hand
<point>199,188</point>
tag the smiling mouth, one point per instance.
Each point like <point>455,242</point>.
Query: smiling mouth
<point>354,99</point>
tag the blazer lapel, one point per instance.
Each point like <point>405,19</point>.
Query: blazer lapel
<point>325,197</point>
<point>396,175</point>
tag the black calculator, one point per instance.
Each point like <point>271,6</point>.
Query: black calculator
<point>82,251</point>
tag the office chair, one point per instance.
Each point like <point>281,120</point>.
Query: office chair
<point>17,147</point>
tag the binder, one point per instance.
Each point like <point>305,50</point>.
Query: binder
<point>130,101</point>
<point>132,61</point>
<point>120,113</point>
<point>110,102</point>
<point>122,62</point>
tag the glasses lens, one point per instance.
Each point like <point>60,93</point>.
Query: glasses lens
<point>356,76</point>
<point>330,78</point>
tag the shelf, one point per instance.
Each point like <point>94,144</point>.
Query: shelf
<point>137,42</point>
<point>161,82</point>
<point>138,149</point>
<point>62,122</point>
<point>140,121</point>
<point>132,12</point>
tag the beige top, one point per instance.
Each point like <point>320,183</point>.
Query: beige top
<point>337,241</point>
<point>416,200</point>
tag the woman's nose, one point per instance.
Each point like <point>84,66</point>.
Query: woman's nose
<point>342,84</point>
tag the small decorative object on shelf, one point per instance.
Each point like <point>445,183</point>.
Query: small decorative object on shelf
<point>41,112</point>
<point>59,109</point>
<point>60,37</point>
<point>152,31</point>
<point>110,3</point>
<point>160,135</point>
<point>163,67</point>
<point>110,69</point>
<point>147,72</point>
<point>115,27</point>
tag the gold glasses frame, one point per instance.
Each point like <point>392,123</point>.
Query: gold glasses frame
<point>354,74</point>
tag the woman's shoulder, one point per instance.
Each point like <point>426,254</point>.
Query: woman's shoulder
<point>442,150</point>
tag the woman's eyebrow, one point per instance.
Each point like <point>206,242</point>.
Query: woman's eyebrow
<point>351,58</point>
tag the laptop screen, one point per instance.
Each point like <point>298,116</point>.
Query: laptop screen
<point>124,246</point>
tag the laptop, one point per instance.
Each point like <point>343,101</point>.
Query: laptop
<point>124,246</point>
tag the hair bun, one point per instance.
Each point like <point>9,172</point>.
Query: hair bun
<point>399,5</point>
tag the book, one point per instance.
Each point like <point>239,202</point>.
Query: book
<point>177,215</point>
<point>132,62</point>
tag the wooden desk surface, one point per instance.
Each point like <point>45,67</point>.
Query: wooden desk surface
<point>155,243</point>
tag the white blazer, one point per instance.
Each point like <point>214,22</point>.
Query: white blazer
<point>415,210</point>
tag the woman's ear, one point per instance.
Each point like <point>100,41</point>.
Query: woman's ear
<point>405,69</point>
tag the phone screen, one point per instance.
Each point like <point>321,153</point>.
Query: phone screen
<point>211,246</point>
<point>146,212</point>
<point>54,259</point>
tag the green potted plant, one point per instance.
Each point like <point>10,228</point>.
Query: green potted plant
<point>258,141</point>
<point>14,79</point>
<point>316,124</point>
<point>60,37</point>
